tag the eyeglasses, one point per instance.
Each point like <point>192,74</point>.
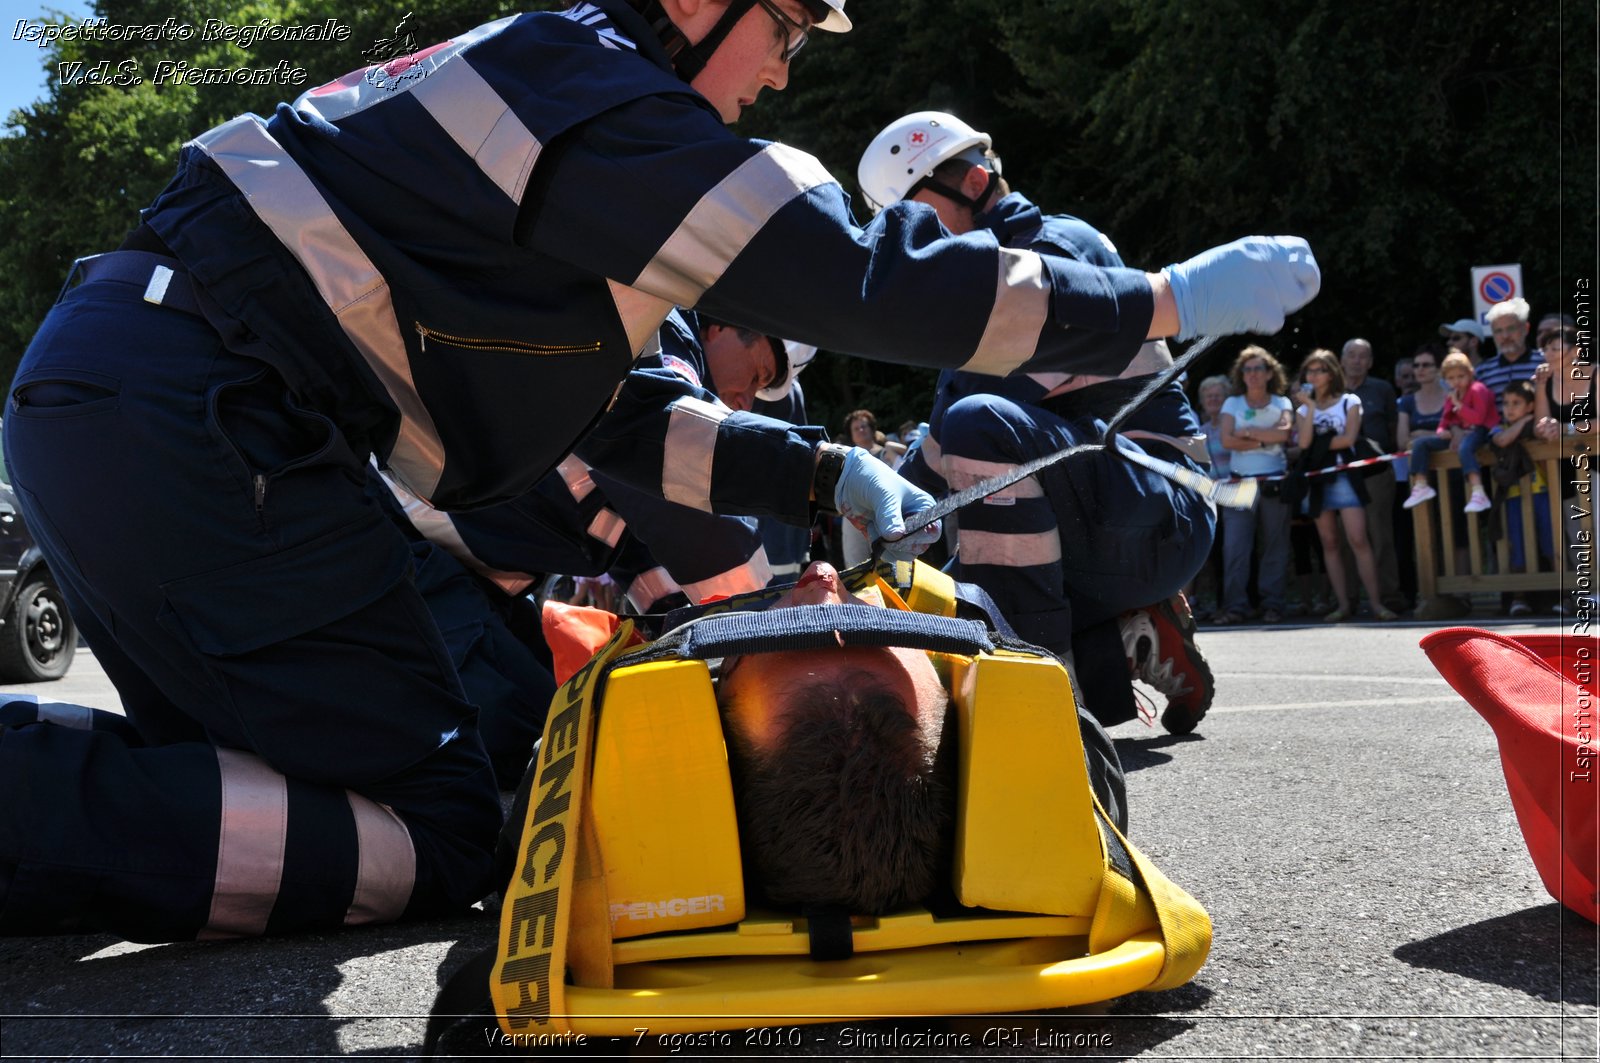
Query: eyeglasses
<point>791,44</point>
<point>1316,369</point>
<point>1255,369</point>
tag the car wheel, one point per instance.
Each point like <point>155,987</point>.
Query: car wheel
<point>39,638</point>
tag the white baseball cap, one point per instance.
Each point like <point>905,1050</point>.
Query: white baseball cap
<point>1466,324</point>
<point>800,355</point>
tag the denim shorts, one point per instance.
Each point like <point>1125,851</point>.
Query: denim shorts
<point>1338,493</point>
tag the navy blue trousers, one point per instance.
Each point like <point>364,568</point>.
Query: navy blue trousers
<point>1066,551</point>
<point>302,755</point>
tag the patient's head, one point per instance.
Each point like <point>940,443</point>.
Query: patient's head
<point>840,779</point>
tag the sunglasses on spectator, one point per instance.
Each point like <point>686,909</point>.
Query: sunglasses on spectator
<point>1255,369</point>
<point>1315,369</point>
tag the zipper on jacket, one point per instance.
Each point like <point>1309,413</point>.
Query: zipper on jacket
<point>475,343</point>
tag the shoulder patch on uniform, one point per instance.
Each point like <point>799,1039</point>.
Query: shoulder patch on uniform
<point>682,367</point>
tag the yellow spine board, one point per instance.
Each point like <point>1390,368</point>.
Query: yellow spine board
<point>1029,841</point>
<point>527,983</point>
<point>663,803</point>
<point>1024,839</point>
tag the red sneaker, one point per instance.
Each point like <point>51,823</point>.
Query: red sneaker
<point>1159,641</point>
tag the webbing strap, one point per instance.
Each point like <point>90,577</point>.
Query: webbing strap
<point>1147,900</point>
<point>828,932</point>
<point>812,627</point>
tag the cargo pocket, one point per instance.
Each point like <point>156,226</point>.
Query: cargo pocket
<point>270,435</point>
<point>275,597</point>
<point>320,647</point>
<point>65,393</point>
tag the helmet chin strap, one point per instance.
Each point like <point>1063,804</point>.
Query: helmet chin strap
<point>689,59</point>
<point>956,195</point>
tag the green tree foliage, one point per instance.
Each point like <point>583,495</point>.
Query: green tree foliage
<point>1408,142</point>
<point>88,156</point>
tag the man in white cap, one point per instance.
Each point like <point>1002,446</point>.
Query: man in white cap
<point>1464,334</point>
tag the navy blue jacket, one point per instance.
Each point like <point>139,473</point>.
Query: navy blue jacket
<point>457,256</point>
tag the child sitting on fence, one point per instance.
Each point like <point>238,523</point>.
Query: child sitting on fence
<point>1469,414</point>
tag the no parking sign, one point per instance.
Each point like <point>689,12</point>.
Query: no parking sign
<point>1494,284</point>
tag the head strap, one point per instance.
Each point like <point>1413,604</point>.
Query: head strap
<point>816,627</point>
<point>954,194</point>
<point>689,59</point>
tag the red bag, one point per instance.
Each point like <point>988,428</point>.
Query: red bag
<point>1537,692</point>
<point>575,633</point>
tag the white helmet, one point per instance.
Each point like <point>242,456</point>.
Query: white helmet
<point>800,355</point>
<point>836,21</point>
<point>908,150</point>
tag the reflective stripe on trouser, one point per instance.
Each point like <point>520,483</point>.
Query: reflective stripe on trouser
<point>1093,535</point>
<point>214,541</point>
<point>239,850</point>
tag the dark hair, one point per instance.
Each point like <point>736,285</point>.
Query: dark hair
<point>749,337</point>
<point>852,805</point>
<point>1324,357</point>
<point>1523,389</point>
<point>850,419</point>
<point>1433,348</point>
<point>1276,383</point>
<point>1568,334</point>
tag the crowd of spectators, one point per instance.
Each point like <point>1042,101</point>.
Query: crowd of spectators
<point>1317,542</point>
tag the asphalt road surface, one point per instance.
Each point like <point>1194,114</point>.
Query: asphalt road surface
<point>1341,814</point>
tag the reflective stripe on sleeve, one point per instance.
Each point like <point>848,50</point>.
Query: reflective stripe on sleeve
<point>1012,549</point>
<point>1021,308</point>
<point>726,219</point>
<point>650,586</point>
<point>753,575</point>
<point>250,845</point>
<point>482,125</point>
<point>641,315</point>
<point>284,198</point>
<point>607,527</point>
<point>386,863</point>
<point>440,529</point>
<point>62,714</point>
<point>687,456</point>
<point>575,474</point>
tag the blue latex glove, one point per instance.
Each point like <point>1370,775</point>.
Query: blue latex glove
<point>875,499</point>
<point>1249,285</point>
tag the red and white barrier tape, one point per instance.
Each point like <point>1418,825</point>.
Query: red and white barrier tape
<point>1359,463</point>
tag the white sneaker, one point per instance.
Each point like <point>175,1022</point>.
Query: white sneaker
<point>1477,503</point>
<point>1520,608</point>
<point>1420,494</point>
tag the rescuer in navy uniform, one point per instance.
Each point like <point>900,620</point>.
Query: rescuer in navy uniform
<point>449,261</point>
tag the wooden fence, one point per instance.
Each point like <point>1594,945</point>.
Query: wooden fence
<point>1442,568</point>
